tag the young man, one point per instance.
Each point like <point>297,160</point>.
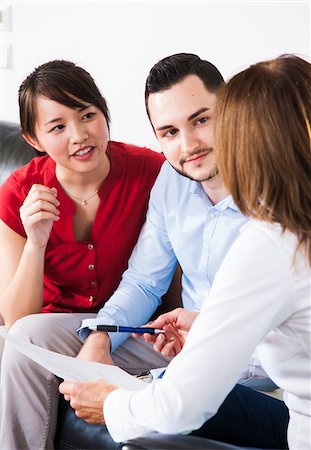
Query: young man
<point>191,218</point>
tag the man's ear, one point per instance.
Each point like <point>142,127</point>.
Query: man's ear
<point>31,141</point>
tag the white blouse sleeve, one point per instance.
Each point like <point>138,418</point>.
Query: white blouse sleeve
<point>251,295</point>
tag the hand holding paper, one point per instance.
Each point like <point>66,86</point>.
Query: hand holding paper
<point>87,398</point>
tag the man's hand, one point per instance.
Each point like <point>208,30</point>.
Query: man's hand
<point>87,398</point>
<point>96,348</point>
<point>176,324</point>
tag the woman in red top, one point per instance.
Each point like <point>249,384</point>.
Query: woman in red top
<point>68,223</point>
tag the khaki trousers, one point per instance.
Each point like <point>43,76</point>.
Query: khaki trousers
<point>29,393</point>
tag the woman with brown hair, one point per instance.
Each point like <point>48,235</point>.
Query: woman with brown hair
<point>261,294</point>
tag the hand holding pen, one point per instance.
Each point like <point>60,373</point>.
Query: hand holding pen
<point>176,325</point>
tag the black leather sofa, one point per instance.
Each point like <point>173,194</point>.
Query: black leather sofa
<point>72,432</point>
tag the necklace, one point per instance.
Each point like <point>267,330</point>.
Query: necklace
<point>83,201</point>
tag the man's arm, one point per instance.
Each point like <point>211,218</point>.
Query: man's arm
<point>151,268</point>
<point>88,398</point>
<point>96,348</point>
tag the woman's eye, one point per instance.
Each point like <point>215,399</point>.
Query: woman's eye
<point>57,128</point>
<point>89,115</point>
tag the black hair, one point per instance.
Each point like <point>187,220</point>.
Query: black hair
<point>63,82</point>
<point>173,69</point>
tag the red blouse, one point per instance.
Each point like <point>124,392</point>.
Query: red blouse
<point>81,276</point>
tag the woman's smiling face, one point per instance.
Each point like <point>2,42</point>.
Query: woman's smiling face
<point>75,138</point>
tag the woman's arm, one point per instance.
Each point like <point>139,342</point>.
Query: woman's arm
<point>251,295</point>
<point>22,260</point>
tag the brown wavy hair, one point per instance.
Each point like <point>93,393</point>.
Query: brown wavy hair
<point>263,143</point>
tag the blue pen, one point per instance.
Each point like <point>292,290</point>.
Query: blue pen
<point>121,329</point>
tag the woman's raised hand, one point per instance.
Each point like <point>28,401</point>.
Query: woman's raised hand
<point>38,213</point>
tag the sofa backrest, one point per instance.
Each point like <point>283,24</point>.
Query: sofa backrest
<point>14,150</point>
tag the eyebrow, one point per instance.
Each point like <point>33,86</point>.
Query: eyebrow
<point>191,117</point>
<point>59,119</point>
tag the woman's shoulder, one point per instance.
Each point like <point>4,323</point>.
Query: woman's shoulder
<point>271,239</point>
<point>30,173</point>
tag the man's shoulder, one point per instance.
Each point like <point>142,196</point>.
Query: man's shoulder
<point>170,188</point>
<point>168,175</point>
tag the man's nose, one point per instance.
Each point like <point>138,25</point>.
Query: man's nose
<point>189,142</point>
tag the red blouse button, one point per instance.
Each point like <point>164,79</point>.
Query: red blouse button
<point>91,267</point>
<point>90,246</point>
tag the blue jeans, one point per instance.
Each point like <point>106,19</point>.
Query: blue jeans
<point>248,418</point>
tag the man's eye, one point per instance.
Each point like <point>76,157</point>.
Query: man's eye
<point>171,132</point>
<point>201,120</point>
<point>57,128</point>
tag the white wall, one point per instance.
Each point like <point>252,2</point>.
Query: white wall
<point>118,42</point>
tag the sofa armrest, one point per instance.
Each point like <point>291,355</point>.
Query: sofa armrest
<point>76,434</point>
<point>157,441</point>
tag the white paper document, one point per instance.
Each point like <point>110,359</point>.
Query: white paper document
<point>73,369</point>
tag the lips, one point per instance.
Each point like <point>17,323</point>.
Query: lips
<point>83,151</point>
<point>197,157</point>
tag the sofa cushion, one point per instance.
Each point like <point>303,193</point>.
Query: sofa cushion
<point>75,433</point>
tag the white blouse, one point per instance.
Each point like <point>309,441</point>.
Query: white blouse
<point>261,295</point>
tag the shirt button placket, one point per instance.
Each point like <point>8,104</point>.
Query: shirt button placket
<point>91,268</point>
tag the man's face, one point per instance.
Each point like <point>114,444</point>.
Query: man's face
<point>182,118</point>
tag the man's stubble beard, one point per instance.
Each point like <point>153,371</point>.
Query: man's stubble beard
<point>213,173</point>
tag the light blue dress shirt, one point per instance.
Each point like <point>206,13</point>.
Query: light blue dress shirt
<point>182,226</point>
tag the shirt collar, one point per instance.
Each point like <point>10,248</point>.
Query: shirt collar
<point>197,189</point>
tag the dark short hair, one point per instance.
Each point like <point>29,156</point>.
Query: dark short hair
<point>173,69</point>
<point>61,81</point>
